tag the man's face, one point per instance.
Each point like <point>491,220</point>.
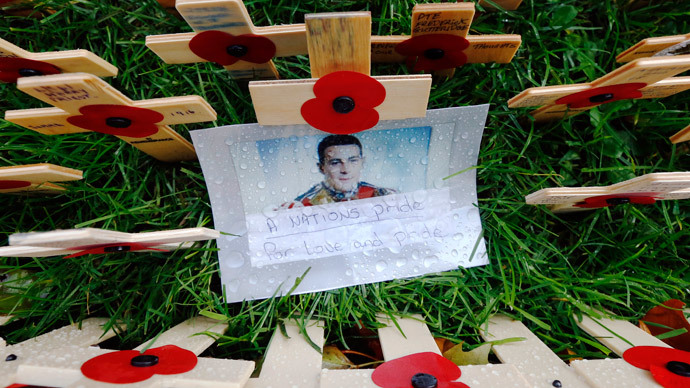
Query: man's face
<point>342,166</point>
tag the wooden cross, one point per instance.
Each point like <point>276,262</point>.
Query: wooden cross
<point>442,20</point>
<point>227,17</point>
<point>89,240</point>
<point>409,336</point>
<point>12,357</point>
<point>84,102</point>
<point>338,42</point>
<point>62,367</point>
<point>641,78</point>
<point>644,189</point>
<point>663,45</point>
<point>36,178</point>
<point>17,62</point>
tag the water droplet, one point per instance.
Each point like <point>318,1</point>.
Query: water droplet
<point>243,166</point>
<point>413,140</point>
<point>261,185</point>
<point>234,285</point>
<point>401,262</point>
<point>424,160</point>
<point>381,266</point>
<point>458,236</point>
<point>253,279</point>
<point>465,135</point>
<point>234,259</point>
<point>271,280</point>
<point>348,272</point>
<point>429,261</point>
<point>229,142</point>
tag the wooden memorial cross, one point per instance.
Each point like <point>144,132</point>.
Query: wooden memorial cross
<point>645,189</point>
<point>169,360</point>
<point>224,33</point>
<point>16,62</point>
<point>78,242</point>
<point>341,97</point>
<point>641,78</point>
<point>659,46</point>
<point>12,357</point>
<point>84,102</point>
<point>440,43</point>
<point>36,178</point>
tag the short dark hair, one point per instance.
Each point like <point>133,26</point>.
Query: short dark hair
<point>337,140</point>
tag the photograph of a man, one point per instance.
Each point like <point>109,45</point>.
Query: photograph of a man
<point>341,162</point>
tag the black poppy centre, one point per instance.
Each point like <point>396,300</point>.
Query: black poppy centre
<point>25,72</point>
<point>434,53</point>
<point>424,380</point>
<point>343,104</point>
<point>237,50</point>
<point>617,201</point>
<point>678,367</point>
<point>118,248</point>
<point>118,122</point>
<point>601,98</point>
<point>144,360</point>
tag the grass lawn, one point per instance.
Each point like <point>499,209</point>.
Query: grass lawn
<point>544,267</point>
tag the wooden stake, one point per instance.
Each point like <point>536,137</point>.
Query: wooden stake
<point>36,178</point>
<point>73,94</point>
<point>229,16</point>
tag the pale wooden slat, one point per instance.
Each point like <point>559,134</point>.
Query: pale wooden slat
<point>650,46</point>
<point>90,333</point>
<point>184,335</point>
<point>279,102</point>
<point>660,182</point>
<point>555,112</point>
<point>173,48</point>
<point>77,61</point>
<point>339,42</point>
<point>39,173</point>
<point>180,110</point>
<point>36,188</point>
<point>666,87</point>
<point>544,95</point>
<point>7,49</point>
<point>291,362</point>
<point>645,70</point>
<point>610,373</point>
<point>681,136</point>
<point>405,337</point>
<point>551,196</point>
<point>229,16</point>
<point>535,361</point>
<point>48,121</point>
<point>442,18</point>
<point>166,145</point>
<point>617,335</point>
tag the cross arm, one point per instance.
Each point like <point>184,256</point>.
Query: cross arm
<point>681,136</point>
<point>650,46</point>
<point>666,87</point>
<point>48,121</point>
<point>544,95</point>
<point>74,61</point>
<point>7,49</point>
<point>39,173</point>
<point>482,48</point>
<point>645,70</point>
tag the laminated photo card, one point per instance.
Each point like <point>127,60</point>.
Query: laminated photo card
<point>350,209</point>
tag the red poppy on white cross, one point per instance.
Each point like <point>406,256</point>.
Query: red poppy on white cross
<point>644,190</point>
<point>168,360</point>
<point>79,242</point>
<point>36,178</point>
<point>439,41</point>
<point>341,97</point>
<point>84,102</point>
<point>225,34</point>
<point>16,62</point>
<point>642,78</point>
<point>88,332</point>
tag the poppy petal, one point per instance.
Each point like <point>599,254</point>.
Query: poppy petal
<point>399,372</point>
<point>645,356</point>
<point>600,201</point>
<point>7,185</point>
<point>319,113</point>
<point>668,379</point>
<point>12,68</point>
<point>115,368</point>
<point>363,89</point>
<point>116,247</point>
<point>602,95</point>
<point>215,46</point>
<point>172,360</point>
<point>136,122</point>
<point>418,45</point>
<point>449,61</point>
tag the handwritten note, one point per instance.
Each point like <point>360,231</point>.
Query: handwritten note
<point>314,232</point>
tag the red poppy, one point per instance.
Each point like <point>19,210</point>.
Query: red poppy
<point>131,366</point>
<point>669,367</point>
<point>418,370</point>
<point>618,199</point>
<point>8,185</point>
<point>112,248</point>
<point>602,95</point>
<point>434,51</point>
<point>225,49</point>
<point>344,103</point>
<point>12,68</point>
<point>118,120</point>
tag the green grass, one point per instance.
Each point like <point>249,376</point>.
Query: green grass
<point>545,267</point>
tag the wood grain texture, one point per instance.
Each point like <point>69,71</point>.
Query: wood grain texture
<point>681,136</point>
<point>339,42</point>
<point>666,87</point>
<point>39,173</point>
<point>442,18</point>
<point>279,102</point>
<point>646,70</point>
<point>544,95</point>
<point>650,46</point>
